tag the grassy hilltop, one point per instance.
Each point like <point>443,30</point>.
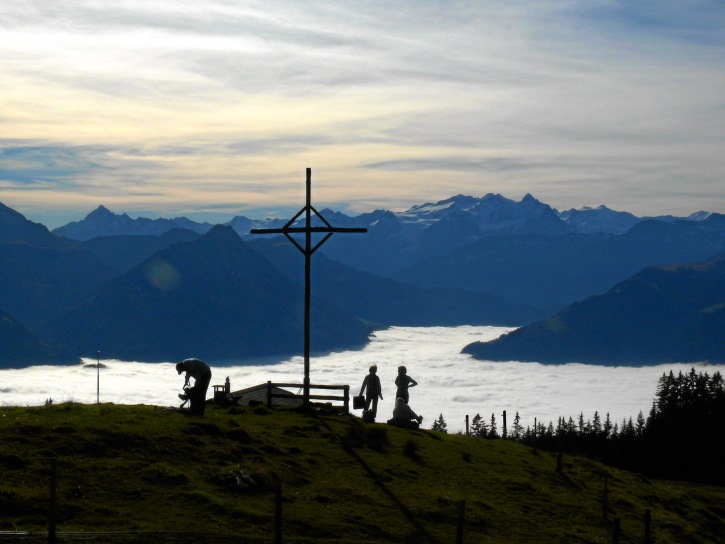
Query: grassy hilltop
<point>144,469</point>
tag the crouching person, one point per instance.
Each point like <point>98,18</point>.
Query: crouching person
<point>201,373</point>
<point>404,416</point>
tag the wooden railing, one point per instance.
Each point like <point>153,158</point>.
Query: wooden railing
<point>345,397</point>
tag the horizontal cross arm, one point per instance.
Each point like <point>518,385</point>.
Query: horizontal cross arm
<point>305,229</point>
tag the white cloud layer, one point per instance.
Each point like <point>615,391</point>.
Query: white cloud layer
<point>449,383</point>
<point>180,106</point>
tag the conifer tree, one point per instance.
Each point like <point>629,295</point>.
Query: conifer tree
<point>639,428</point>
<point>492,430</point>
<point>476,425</point>
<point>518,430</point>
<point>571,427</point>
<point>550,430</point>
<point>596,425</point>
<point>440,425</point>
<point>607,428</point>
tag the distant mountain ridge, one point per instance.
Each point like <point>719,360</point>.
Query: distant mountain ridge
<point>550,271</point>
<point>214,298</point>
<point>170,296</point>
<point>40,271</point>
<point>459,261</point>
<point>448,244</point>
<point>662,314</point>
<point>103,222</point>
<point>491,214</point>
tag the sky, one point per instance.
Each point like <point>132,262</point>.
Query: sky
<point>162,108</point>
<point>449,383</point>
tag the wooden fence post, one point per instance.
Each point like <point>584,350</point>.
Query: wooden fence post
<point>269,394</point>
<point>647,526</point>
<point>461,520</point>
<point>505,432</point>
<point>347,398</point>
<point>616,530</point>
<point>468,432</point>
<point>559,455</point>
<point>52,517</point>
<point>278,515</point>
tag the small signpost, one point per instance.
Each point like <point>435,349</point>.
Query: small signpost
<point>98,379</point>
<point>308,249</point>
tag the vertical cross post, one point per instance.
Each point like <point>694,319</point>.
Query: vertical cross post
<point>308,249</point>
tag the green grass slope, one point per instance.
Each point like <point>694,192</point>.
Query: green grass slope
<point>154,471</point>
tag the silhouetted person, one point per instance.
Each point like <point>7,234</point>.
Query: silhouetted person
<point>403,382</point>
<point>404,416</point>
<point>201,373</point>
<point>372,389</point>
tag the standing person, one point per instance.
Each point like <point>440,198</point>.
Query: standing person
<point>403,382</point>
<point>371,383</point>
<point>201,373</point>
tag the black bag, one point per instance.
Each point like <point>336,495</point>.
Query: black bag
<point>358,402</point>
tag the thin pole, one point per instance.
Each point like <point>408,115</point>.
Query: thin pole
<point>461,521</point>
<point>308,255</point>
<point>52,518</point>
<point>98,379</point>
<point>647,526</point>
<point>278,515</point>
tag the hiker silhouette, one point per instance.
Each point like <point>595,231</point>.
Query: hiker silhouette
<point>372,389</point>
<point>196,395</point>
<point>403,382</point>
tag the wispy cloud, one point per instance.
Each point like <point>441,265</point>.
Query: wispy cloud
<point>209,102</point>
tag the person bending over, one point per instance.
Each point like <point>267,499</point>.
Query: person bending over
<point>201,373</point>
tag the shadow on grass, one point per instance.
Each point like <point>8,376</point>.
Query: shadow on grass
<point>421,532</point>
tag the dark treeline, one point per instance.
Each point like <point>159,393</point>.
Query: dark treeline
<point>681,438</point>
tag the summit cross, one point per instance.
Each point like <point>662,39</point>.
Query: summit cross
<point>308,249</point>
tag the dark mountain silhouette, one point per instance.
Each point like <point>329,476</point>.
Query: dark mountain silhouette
<point>213,298</point>
<point>662,314</point>
<point>42,273</point>
<point>103,222</point>
<point>123,252</point>
<point>14,227</point>
<point>475,244</point>
<point>21,348</point>
<point>367,296</point>
<point>551,271</point>
<point>388,302</point>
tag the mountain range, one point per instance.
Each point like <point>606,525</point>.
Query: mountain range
<point>489,215</point>
<point>167,289</point>
<point>213,295</point>
<point>525,251</point>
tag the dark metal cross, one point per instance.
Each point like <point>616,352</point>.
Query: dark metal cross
<point>307,250</point>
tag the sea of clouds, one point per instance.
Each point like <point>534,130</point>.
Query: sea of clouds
<point>450,383</point>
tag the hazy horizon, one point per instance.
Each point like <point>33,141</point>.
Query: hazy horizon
<point>450,383</point>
